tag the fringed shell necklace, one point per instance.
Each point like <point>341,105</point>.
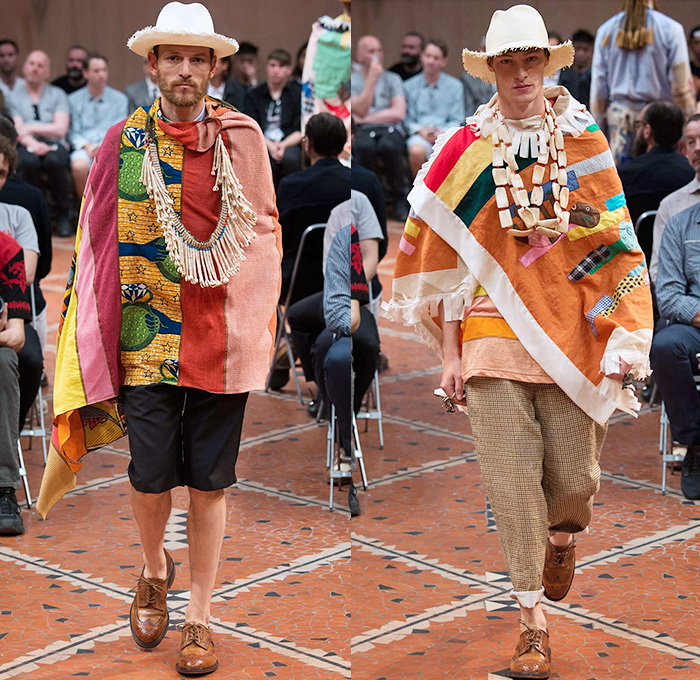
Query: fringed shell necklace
<point>214,261</point>
<point>550,146</point>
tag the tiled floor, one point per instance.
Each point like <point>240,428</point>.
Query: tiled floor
<point>426,584</point>
<point>429,595</point>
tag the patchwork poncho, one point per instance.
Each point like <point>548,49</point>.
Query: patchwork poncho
<point>129,318</point>
<point>579,304</point>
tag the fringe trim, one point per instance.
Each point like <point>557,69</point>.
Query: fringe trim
<point>214,261</point>
<point>625,398</point>
<point>338,25</point>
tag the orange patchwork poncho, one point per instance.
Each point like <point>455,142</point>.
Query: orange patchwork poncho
<point>579,304</point>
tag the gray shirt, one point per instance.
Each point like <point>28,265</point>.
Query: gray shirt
<point>52,100</point>
<point>17,222</point>
<point>678,282</point>
<point>336,285</point>
<point>389,85</point>
<point>356,210</point>
<point>678,201</point>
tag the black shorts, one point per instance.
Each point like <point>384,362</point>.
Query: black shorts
<point>182,436</point>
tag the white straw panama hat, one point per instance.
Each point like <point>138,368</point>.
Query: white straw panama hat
<point>180,24</point>
<point>519,28</point>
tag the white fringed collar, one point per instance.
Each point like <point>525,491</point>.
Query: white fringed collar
<point>570,115</point>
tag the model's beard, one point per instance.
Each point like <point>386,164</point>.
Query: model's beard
<point>639,145</point>
<point>182,101</point>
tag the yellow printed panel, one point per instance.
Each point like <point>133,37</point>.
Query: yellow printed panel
<point>471,164</point>
<point>607,219</point>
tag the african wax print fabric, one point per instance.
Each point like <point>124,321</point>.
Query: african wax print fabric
<point>579,304</point>
<point>128,318</point>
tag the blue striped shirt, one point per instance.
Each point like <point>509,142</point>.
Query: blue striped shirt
<point>336,286</point>
<point>678,281</point>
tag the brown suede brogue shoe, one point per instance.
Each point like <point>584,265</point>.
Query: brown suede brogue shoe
<point>559,567</point>
<point>149,611</point>
<point>532,657</point>
<point>197,655</point>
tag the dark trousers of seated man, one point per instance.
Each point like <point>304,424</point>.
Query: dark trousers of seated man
<point>56,165</point>
<point>9,410</point>
<point>31,365</point>
<point>673,351</point>
<point>372,142</point>
<point>291,162</point>
<point>332,356</point>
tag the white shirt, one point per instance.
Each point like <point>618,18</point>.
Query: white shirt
<point>216,92</point>
<point>679,200</point>
<point>153,89</point>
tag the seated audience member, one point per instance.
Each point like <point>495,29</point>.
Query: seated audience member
<point>476,91</point>
<point>144,92</point>
<point>577,79</point>
<point>349,343</point>
<point>682,198</point>
<point>409,64</point>
<point>74,78</point>
<point>307,198</point>
<point>657,168</point>
<point>674,348</point>
<point>693,54</point>
<point>299,61</point>
<point>553,80</point>
<point>244,66</point>
<point>434,103</point>
<point>9,66</point>
<point>41,115</point>
<point>221,87</point>
<point>379,108</point>
<point>93,110</point>
<point>306,319</point>
<point>17,222</point>
<point>15,311</point>
<point>18,192</point>
<point>276,107</point>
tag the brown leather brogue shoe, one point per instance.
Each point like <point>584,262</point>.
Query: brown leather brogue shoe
<point>197,655</point>
<point>149,611</point>
<point>559,567</point>
<point>532,657</point>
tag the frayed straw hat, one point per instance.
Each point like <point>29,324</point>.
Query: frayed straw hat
<point>519,28</point>
<point>180,24</point>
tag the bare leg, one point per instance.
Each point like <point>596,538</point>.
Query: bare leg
<point>206,522</point>
<point>151,511</point>
<point>534,617</point>
<point>80,174</point>
<point>416,156</point>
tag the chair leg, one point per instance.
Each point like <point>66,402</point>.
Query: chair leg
<point>358,454</point>
<point>23,475</point>
<point>378,405</point>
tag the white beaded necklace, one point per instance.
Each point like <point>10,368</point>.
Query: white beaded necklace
<point>214,261</point>
<point>506,174</point>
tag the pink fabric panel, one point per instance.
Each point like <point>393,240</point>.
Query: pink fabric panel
<point>406,247</point>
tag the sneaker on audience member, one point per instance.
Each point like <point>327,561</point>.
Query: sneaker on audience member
<point>690,474</point>
<point>10,515</point>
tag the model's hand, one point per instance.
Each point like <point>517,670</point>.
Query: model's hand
<point>3,319</point>
<point>623,371</point>
<point>451,380</point>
